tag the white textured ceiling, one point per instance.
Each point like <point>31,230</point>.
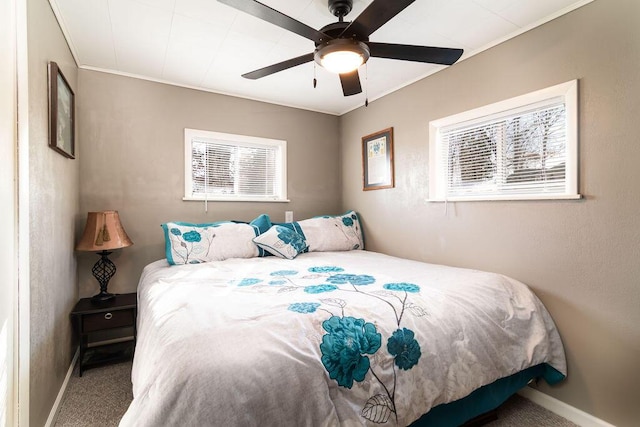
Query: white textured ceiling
<point>206,45</point>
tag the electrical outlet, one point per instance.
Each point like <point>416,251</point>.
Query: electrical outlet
<point>288,216</point>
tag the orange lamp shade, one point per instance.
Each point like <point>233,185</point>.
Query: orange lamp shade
<point>103,232</point>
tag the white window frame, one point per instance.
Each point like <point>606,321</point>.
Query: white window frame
<point>438,172</point>
<point>239,140</point>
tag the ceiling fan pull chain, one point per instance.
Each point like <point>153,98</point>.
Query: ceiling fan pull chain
<point>315,81</point>
<point>366,85</point>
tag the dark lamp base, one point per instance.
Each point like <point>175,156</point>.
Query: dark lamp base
<point>102,297</point>
<point>103,271</point>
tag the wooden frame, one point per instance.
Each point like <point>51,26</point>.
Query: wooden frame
<point>61,113</point>
<point>377,160</point>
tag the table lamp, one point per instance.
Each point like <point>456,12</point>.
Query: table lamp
<point>103,233</point>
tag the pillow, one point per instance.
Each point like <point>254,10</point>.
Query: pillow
<point>333,233</point>
<point>187,243</point>
<point>263,222</point>
<point>282,242</point>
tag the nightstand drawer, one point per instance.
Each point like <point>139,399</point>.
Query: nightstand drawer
<point>107,320</point>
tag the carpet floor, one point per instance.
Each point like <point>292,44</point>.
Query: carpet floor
<point>102,396</point>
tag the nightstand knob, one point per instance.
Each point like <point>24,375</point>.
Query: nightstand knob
<point>108,316</point>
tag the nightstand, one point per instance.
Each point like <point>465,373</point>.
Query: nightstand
<point>107,330</point>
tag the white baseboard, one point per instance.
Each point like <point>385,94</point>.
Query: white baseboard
<point>572,414</point>
<point>53,415</point>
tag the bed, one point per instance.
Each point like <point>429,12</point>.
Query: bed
<point>328,338</point>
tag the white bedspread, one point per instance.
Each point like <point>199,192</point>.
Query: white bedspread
<point>333,338</point>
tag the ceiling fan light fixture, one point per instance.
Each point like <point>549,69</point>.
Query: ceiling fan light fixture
<point>341,55</point>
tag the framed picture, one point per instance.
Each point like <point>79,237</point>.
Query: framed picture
<point>61,113</point>
<point>377,160</point>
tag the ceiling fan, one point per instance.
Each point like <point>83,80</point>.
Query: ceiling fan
<point>341,47</point>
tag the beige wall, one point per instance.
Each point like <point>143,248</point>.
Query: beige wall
<point>54,208</point>
<point>580,257</point>
<point>133,161</point>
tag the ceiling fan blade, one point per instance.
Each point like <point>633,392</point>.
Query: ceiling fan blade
<point>268,14</point>
<point>280,66</point>
<point>350,83</point>
<point>433,55</point>
<point>375,16</point>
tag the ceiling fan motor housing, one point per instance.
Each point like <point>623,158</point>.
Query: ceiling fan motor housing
<point>340,8</point>
<point>336,30</point>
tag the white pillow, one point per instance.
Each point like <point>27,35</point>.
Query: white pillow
<point>333,233</point>
<point>187,243</point>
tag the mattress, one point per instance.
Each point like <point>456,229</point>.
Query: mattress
<point>352,338</point>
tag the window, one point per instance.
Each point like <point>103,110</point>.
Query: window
<point>522,148</point>
<point>220,166</point>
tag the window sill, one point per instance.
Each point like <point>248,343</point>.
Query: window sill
<point>506,198</point>
<point>234,199</point>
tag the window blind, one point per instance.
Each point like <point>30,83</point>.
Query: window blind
<point>518,152</point>
<point>235,169</point>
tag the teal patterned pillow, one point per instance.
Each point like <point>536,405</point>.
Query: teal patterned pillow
<point>187,243</point>
<point>263,222</point>
<point>281,242</point>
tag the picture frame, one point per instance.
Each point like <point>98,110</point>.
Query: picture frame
<point>377,160</point>
<point>61,113</point>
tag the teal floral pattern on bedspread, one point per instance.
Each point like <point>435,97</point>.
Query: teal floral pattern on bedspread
<point>344,348</point>
<point>350,343</point>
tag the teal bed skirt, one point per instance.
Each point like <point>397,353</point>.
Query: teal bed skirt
<point>485,398</point>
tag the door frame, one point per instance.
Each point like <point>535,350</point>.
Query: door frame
<point>9,330</point>
<point>23,350</point>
